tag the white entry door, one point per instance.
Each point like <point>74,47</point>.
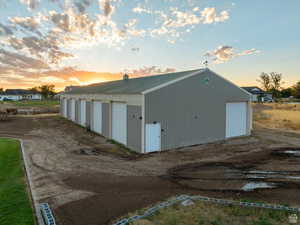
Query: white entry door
<point>73,109</point>
<point>65,107</point>
<point>97,117</point>
<point>82,112</point>
<point>236,119</point>
<point>119,122</point>
<point>153,137</point>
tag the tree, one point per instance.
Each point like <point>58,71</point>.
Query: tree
<point>1,90</point>
<point>296,88</point>
<point>287,92</point>
<point>265,81</point>
<point>271,82</point>
<point>47,91</point>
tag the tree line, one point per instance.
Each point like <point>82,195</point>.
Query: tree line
<point>272,83</point>
<point>47,90</point>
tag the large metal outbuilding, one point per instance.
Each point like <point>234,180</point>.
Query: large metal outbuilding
<point>161,112</point>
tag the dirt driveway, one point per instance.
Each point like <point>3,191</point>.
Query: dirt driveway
<point>89,181</point>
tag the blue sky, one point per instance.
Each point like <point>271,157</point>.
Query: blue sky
<point>240,39</point>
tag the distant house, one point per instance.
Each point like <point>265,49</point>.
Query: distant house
<point>19,94</point>
<point>259,95</point>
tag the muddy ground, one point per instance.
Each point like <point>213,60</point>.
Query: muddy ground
<point>88,180</point>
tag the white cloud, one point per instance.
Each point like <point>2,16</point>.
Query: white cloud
<point>106,7</point>
<point>209,15</point>
<point>28,23</point>
<point>225,53</point>
<point>31,4</point>
<point>5,30</point>
<point>149,70</point>
<point>51,79</point>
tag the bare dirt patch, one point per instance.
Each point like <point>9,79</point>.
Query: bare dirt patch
<point>104,182</point>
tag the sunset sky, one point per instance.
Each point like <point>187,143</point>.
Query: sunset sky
<point>78,42</point>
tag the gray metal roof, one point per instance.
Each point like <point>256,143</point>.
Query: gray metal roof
<point>132,85</point>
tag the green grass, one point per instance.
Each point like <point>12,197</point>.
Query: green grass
<point>15,207</point>
<point>204,213</point>
<point>36,103</point>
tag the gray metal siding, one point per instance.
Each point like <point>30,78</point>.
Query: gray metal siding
<point>134,127</point>
<point>61,108</point>
<point>88,114</point>
<point>69,108</point>
<point>77,111</point>
<point>106,119</point>
<point>192,111</point>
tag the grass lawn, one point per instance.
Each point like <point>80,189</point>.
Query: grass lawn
<point>15,207</point>
<point>33,103</point>
<point>204,213</point>
<point>282,116</point>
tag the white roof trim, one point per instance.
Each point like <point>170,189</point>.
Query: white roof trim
<point>172,82</point>
<point>232,83</point>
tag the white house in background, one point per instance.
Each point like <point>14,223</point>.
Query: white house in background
<point>19,94</point>
<point>259,95</point>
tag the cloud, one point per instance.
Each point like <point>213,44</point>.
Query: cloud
<point>249,52</point>
<point>149,70</point>
<point>16,60</point>
<point>82,5</point>
<point>176,22</point>
<point>51,79</point>
<point>28,23</point>
<point>209,15</point>
<point>225,53</point>
<point>31,4</point>
<point>5,30</point>
<point>106,7</point>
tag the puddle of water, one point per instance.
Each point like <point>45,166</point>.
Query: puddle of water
<point>293,152</point>
<point>261,174</point>
<point>257,185</point>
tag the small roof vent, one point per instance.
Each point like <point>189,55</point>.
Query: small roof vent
<point>125,77</point>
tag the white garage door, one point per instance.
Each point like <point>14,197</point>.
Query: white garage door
<point>236,119</point>
<point>65,107</point>
<point>119,122</point>
<point>97,117</point>
<point>82,112</point>
<point>73,109</point>
<point>153,137</point>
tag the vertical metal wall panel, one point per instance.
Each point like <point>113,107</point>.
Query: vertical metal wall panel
<point>77,111</point>
<point>119,122</point>
<point>83,112</point>
<point>96,117</point>
<point>73,110</point>
<point>69,109</point>
<point>192,111</point>
<point>134,127</point>
<point>88,114</point>
<point>106,119</point>
<point>61,108</point>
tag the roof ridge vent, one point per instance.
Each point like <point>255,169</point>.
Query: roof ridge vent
<point>125,76</point>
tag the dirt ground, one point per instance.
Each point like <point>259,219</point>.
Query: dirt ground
<point>88,180</point>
